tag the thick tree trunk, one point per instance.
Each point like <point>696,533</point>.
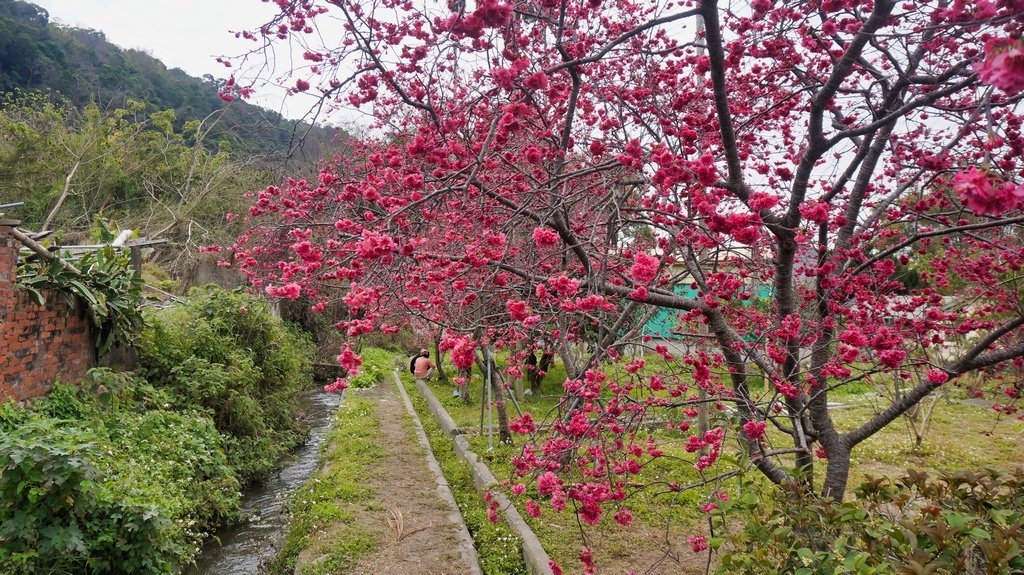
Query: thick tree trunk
<point>837,473</point>
<point>467,374</point>
<point>703,417</point>
<point>531,371</point>
<point>518,388</point>
<point>499,404</point>
<point>572,368</point>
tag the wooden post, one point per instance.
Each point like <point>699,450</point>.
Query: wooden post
<point>702,407</point>
<point>136,256</point>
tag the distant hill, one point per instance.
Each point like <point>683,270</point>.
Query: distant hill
<point>82,66</point>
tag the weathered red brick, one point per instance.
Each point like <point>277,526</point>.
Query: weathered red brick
<point>38,344</point>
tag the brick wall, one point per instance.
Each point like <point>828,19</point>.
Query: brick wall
<point>38,344</point>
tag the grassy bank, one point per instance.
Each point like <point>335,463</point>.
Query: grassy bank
<point>323,528</point>
<point>324,533</point>
<point>222,352</point>
<point>109,482</point>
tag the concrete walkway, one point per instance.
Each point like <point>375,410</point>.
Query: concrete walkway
<point>426,534</point>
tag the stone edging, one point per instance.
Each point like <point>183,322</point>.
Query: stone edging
<point>466,547</point>
<point>536,559</point>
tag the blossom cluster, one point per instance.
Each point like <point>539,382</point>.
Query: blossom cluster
<point>986,195</point>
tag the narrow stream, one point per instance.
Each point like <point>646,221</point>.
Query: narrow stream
<point>244,549</point>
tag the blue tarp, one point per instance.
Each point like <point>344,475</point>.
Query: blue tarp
<point>665,320</point>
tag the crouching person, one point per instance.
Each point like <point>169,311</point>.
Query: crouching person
<point>422,367</point>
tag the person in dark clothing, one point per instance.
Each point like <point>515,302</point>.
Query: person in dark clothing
<point>531,371</point>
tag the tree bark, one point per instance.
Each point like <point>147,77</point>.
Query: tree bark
<point>438,360</point>
<point>498,396</point>
<point>837,473</point>
<point>546,359</point>
<point>467,374</point>
<point>572,369</point>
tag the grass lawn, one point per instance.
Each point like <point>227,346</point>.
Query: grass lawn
<point>468,416</point>
<point>962,436</point>
<point>662,522</point>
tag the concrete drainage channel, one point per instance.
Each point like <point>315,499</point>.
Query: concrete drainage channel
<point>536,559</point>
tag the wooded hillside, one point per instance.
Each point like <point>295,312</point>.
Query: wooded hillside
<point>83,67</point>
<point>96,138</point>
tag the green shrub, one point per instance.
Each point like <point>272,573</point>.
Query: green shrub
<point>319,325</point>
<point>47,487</point>
<point>405,341</point>
<point>223,352</point>
<point>958,523</point>
<point>62,403</point>
<point>12,416</point>
<point>180,455</point>
<point>376,364</point>
<point>128,474</point>
<point>91,481</point>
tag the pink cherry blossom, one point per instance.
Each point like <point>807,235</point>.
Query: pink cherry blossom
<point>338,385</point>
<point>545,237</point>
<point>754,430</point>
<point>645,267</point>
<point>698,543</point>
<point>1003,66</point>
<point>985,196</point>
<point>552,177</point>
<point>287,291</point>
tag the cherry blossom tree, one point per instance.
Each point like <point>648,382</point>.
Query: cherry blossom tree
<point>570,168</point>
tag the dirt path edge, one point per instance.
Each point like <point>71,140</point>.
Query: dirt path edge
<point>466,547</point>
<point>536,558</point>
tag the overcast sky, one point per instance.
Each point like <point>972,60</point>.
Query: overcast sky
<point>186,34</point>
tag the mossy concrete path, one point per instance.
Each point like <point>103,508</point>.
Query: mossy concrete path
<point>422,532</point>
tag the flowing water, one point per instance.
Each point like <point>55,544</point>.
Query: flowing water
<point>244,549</point>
